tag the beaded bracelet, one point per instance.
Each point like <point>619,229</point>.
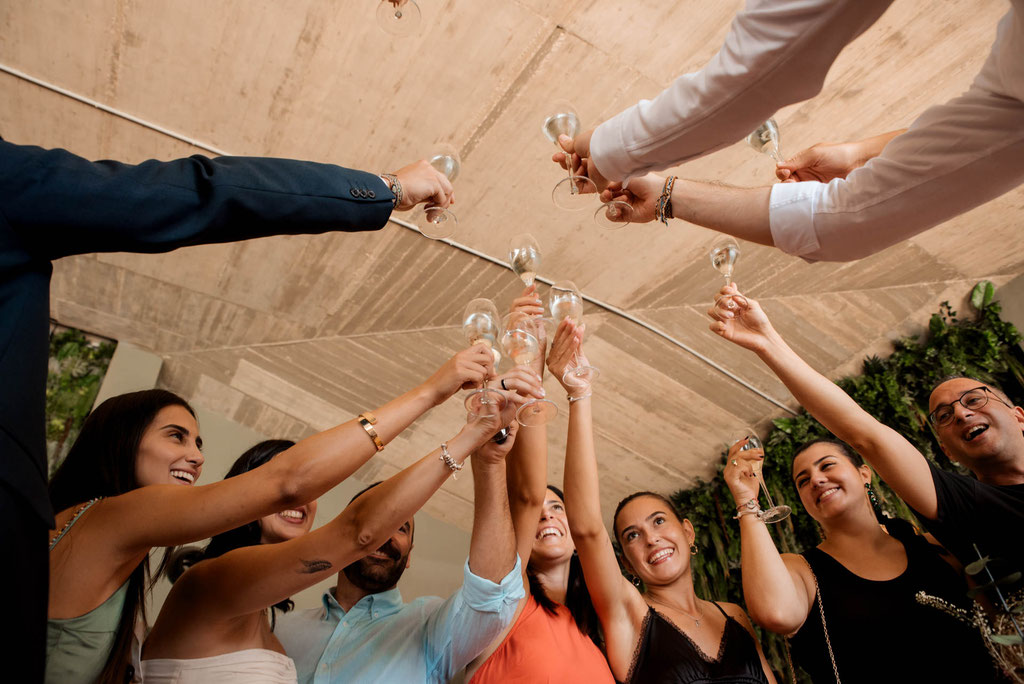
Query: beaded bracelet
<point>663,207</point>
<point>396,186</point>
<point>751,507</point>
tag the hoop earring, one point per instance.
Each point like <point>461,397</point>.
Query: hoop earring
<point>693,549</point>
<point>635,581</point>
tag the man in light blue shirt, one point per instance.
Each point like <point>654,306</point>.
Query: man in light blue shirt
<point>364,632</point>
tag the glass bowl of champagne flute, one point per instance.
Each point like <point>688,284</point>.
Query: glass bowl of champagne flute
<point>437,222</point>
<point>524,257</point>
<point>398,17</point>
<point>773,513</point>
<point>765,139</point>
<point>565,301</point>
<point>724,255</point>
<point>481,325</point>
<point>520,343</point>
<point>569,193</point>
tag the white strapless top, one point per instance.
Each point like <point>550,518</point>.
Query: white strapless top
<point>251,666</point>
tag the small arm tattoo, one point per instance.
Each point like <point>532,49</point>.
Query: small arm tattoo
<point>310,567</point>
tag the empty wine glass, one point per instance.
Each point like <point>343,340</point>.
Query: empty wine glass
<point>437,222</point>
<point>524,257</point>
<point>520,343</point>
<point>480,325</point>
<point>398,17</point>
<point>765,139</point>
<point>570,193</point>
<point>773,513</point>
<point>565,301</point>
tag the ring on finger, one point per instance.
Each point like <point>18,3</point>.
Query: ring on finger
<point>503,385</point>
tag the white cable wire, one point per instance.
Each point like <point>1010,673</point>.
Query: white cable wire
<point>469,250</point>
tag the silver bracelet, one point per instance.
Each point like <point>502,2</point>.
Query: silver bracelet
<point>573,400</point>
<point>396,187</point>
<point>447,459</point>
<point>751,507</point>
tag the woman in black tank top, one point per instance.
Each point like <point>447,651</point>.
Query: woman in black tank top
<point>868,577</point>
<point>667,634</point>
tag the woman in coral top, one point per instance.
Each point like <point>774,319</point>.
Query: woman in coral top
<point>556,635</point>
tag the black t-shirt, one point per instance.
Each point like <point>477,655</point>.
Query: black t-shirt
<point>972,513</point>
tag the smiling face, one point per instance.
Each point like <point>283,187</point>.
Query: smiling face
<point>382,569</point>
<point>829,483</point>
<point>288,524</point>
<point>982,437</point>
<point>170,449</point>
<point>655,542</point>
<point>553,543</point>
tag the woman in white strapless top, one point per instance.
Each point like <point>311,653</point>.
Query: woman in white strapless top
<point>216,625</point>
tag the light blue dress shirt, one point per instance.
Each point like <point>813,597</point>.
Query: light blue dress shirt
<point>382,639</point>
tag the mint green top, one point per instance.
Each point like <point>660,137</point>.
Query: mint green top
<point>77,648</point>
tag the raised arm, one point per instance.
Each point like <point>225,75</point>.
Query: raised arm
<point>272,572</point>
<point>778,590</point>
<point>742,321</point>
<point>825,161</point>
<point>777,52</point>
<point>171,515</point>
<point>619,605</point>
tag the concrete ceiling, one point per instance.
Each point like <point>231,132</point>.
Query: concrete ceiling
<point>291,335</point>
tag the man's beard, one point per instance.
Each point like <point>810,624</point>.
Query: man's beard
<point>375,575</point>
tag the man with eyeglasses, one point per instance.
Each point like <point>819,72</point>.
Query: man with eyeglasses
<point>976,424</point>
<point>978,427</point>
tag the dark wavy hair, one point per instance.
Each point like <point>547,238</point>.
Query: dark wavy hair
<point>242,536</point>
<point>577,596</point>
<point>897,527</point>
<point>101,462</point>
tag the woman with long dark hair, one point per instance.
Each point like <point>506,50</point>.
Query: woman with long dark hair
<point>666,633</point>
<point>556,635</point>
<point>214,626</point>
<point>857,591</point>
<point>126,486</point>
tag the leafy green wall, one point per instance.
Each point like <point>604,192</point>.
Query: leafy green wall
<point>895,390</point>
<point>77,367</point>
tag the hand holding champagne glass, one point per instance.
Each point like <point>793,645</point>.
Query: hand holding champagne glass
<point>521,342</point>
<point>566,302</point>
<point>569,193</point>
<point>480,325</point>
<point>438,222</point>
<point>746,460</point>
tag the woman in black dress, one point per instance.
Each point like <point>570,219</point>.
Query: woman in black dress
<point>850,604</point>
<point>666,634</point>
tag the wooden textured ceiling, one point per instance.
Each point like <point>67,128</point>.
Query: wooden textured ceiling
<point>291,335</point>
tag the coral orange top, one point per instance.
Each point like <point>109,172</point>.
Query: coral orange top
<point>545,648</point>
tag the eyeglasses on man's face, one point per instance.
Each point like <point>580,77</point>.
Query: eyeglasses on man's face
<point>971,400</point>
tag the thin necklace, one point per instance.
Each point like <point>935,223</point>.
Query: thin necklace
<point>696,620</point>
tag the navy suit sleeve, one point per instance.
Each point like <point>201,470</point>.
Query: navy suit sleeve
<point>56,204</point>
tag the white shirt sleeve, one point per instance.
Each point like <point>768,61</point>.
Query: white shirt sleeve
<point>954,157</point>
<point>776,52</point>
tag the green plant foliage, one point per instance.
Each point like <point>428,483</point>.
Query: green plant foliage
<point>76,370</point>
<point>895,390</point>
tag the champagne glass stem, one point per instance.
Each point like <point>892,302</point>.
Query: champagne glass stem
<point>573,190</point>
<point>764,488</point>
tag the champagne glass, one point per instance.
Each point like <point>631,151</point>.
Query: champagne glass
<point>724,254</point>
<point>773,513</point>
<point>398,17</point>
<point>565,301</point>
<point>437,222</point>
<point>613,215</point>
<point>480,325</point>
<point>570,193</point>
<point>520,344</point>
<point>765,139</point>
<point>524,257</point>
